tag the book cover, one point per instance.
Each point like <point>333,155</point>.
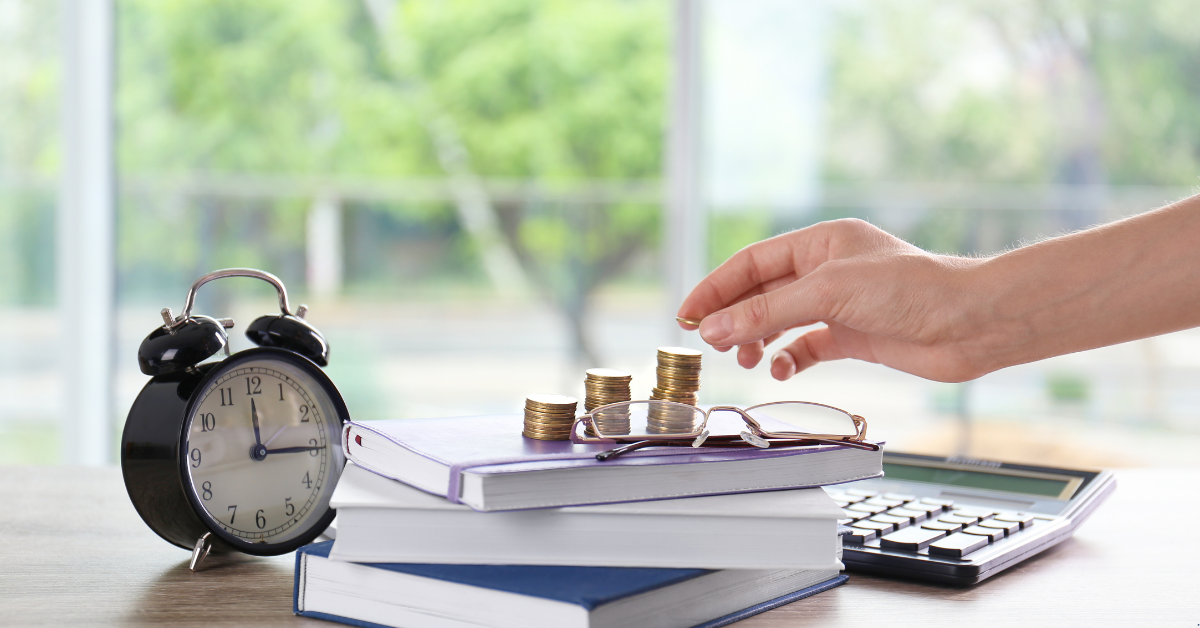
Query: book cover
<point>435,454</point>
<point>588,588</point>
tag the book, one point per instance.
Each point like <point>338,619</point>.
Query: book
<point>384,521</point>
<point>516,596</point>
<point>485,463</point>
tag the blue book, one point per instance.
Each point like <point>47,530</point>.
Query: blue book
<point>523,596</point>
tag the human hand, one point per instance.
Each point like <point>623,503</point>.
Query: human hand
<point>882,300</point>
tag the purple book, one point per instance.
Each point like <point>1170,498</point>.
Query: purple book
<point>485,463</point>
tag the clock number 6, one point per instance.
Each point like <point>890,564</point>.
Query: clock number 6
<point>195,456</point>
<point>260,520</point>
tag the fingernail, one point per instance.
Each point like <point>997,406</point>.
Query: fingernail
<point>715,328</point>
<point>783,366</point>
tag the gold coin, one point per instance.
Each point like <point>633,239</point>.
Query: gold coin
<point>548,399</point>
<point>604,373</point>
<point>679,351</point>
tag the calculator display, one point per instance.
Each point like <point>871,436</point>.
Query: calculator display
<point>1032,484</point>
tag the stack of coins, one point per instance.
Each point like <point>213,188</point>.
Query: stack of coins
<point>605,386</point>
<point>549,417</point>
<point>679,381</point>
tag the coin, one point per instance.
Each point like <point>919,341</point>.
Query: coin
<point>678,380</point>
<point>606,386</point>
<point>549,416</point>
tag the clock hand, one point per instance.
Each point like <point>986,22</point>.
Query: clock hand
<point>293,450</point>
<point>254,419</point>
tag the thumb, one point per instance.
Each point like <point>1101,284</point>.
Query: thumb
<point>801,302</point>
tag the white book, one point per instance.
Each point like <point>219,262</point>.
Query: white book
<point>384,521</point>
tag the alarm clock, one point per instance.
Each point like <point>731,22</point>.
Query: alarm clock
<point>241,453</point>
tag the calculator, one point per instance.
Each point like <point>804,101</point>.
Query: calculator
<point>960,521</point>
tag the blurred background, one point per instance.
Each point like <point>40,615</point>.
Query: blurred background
<point>480,200</point>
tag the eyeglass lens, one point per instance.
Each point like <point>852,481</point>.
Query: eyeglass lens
<point>806,418</point>
<point>647,418</point>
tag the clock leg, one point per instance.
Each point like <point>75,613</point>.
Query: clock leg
<point>200,552</point>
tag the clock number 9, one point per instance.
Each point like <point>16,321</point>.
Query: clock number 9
<point>208,422</point>
<point>260,520</point>
<point>195,456</point>
<point>304,414</point>
<point>207,493</point>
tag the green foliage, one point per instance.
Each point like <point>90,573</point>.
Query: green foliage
<point>548,90</point>
<point>733,231</point>
<point>1067,387</point>
<point>1010,91</point>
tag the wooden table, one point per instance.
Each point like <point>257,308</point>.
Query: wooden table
<point>74,552</point>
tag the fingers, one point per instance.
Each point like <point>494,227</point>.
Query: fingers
<point>749,355</point>
<point>760,267</point>
<point>817,296</point>
<point>815,346</point>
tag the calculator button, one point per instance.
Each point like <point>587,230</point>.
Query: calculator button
<point>966,521</point>
<point>915,516</point>
<point>1009,527</point>
<point>948,528</point>
<point>867,508</point>
<point>863,492</point>
<point>957,545</point>
<point>932,509</point>
<point>841,503</point>
<point>971,511</point>
<point>845,522</point>
<point>911,539</point>
<point>882,501</point>
<point>858,536</point>
<point>991,533</point>
<point>899,496</point>
<point>899,522</point>
<point>855,514</point>
<point>946,504</point>
<point>879,526</point>
<point>1044,517</point>
<point>1024,520</point>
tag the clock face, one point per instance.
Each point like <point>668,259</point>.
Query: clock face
<point>262,448</point>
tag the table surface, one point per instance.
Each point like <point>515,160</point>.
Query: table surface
<point>74,552</point>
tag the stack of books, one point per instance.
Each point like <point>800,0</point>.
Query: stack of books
<point>464,522</point>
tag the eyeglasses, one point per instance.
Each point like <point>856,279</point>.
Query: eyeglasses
<point>643,424</point>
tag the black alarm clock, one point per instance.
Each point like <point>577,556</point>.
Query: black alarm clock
<point>243,453</point>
